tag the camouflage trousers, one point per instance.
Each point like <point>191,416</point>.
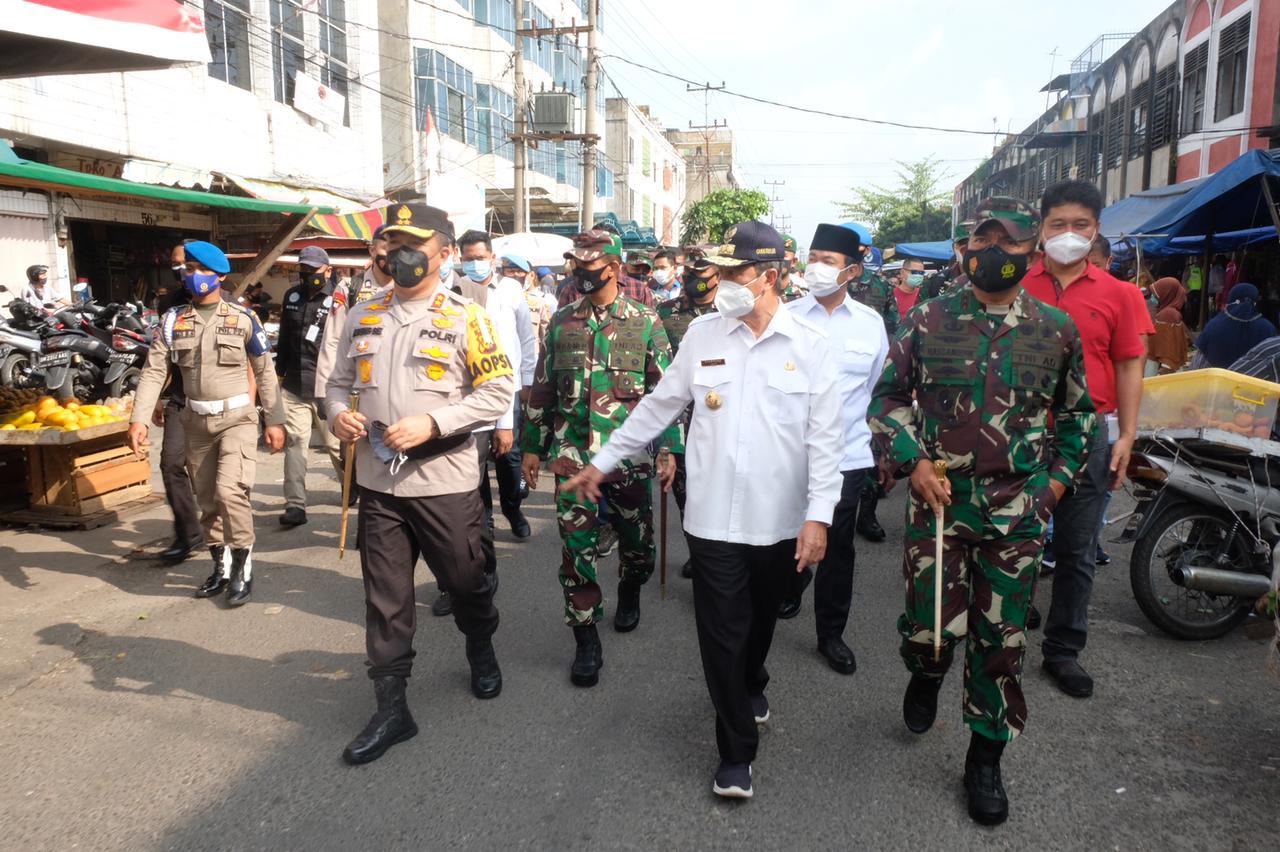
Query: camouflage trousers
<point>631,504</point>
<point>988,584</point>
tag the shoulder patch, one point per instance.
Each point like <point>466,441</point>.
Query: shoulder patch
<point>485,358</point>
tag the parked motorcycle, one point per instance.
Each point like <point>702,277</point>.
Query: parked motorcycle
<point>1206,532</point>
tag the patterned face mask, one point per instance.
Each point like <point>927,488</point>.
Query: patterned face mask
<point>381,451</point>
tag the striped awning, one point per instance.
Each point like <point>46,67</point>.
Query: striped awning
<point>359,225</point>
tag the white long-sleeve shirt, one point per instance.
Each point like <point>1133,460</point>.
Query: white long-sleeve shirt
<point>859,345</point>
<point>765,442</point>
<point>504,299</point>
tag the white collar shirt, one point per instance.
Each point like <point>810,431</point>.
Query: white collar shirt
<point>859,345</point>
<point>764,444</point>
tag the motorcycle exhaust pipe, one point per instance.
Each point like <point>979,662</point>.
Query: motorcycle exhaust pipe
<point>1220,582</point>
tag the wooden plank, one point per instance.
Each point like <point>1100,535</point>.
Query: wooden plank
<point>112,500</point>
<point>86,460</point>
<point>110,478</point>
<point>56,437</point>
<point>289,227</point>
<point>93,520</point>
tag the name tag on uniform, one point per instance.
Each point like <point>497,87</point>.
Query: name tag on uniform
<point>713,362</point>
<point>312,333</point>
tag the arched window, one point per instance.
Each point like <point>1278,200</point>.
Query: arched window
<point>1116,115</point>
<point>1165,105</point>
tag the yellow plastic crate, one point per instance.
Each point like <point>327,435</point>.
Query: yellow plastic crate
<point>1209,399</point>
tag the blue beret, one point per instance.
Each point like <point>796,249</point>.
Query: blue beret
<point>517,261</point>
<point>208,255</point>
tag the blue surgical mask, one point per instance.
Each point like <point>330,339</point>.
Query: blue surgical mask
<point>381,451</point>
<point>915,279</point>
<point>446,269</point>
<point>201,283</point>
<point>477,270</point>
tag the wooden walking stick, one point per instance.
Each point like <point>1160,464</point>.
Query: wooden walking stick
<point>664,458</point>
<point>347,465</point>
<point>940,469</point>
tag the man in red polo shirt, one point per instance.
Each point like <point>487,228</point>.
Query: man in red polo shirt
<point>1103,311</point>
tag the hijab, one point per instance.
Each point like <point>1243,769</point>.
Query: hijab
<point>1170,297</point>
<point>1236,330</point>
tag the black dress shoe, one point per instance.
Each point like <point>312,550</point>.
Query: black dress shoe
<point>442,606</point>
<point>790,606</point>
<point>293,516</point>
<point>839,655</point>
<point>920,703</point>
<point>217,582</point>
<point>180,550</point>
<point>1033,618</point>
<point>519,525</point>
<point>486,677</point>
<point>240,589</point>
<point>988,803</point>
<point>1070,677</point>
<point>686,570</point>
<point>391,724</point>
<point>627,616</point>
<point>589,658</point>
<point>870,529</point>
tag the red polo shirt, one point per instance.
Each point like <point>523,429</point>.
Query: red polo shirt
<point>1104,314</point>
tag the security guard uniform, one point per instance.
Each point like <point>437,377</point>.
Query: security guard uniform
<point>210,348</point>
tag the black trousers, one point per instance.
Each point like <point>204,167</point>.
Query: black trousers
<point>173,472</point>
<point>445,530</point>
<point>736,592</point>
<point>833,582</point>
<point>508,469</point>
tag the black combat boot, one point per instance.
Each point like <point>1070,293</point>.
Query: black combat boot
<point>217,581</point>
<point>390,724</point>
<point>627,616</point>
<point>486,677</point>
<point>868,526</point>
<point>589,659</point>
<point>988,804</point>
<point>241,587</point>
<point>920,703</point>
<point>180,550</point>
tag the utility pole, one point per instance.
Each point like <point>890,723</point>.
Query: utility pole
<point>707,125</point>
<point>521,223</point>
<point>589,124</point>
<point>773,199</point>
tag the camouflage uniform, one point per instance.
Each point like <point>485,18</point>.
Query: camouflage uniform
<point>877,294</point>
<point>594,368</point>
<point>676,315</point>
<point>987,386</point>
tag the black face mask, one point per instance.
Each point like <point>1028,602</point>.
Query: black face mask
<point>697,286</point>
<point>407,267</point>
<point>380,261</point>
<point>312,278</point>
<point>994,270</point>
<point>591,280</point>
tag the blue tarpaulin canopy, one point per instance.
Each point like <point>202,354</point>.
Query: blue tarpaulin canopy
<point>941,250</point>
<point>1129,215</point>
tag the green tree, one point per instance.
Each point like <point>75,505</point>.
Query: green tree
<point>917,209</point>
<point>706,220</point>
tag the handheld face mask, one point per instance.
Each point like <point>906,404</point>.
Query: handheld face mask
<point>381,451</point>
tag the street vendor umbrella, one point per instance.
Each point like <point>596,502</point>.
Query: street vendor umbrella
<point>538,249</point>
<point>91,36</point>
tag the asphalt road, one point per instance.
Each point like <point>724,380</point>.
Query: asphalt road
<point>135,717</point>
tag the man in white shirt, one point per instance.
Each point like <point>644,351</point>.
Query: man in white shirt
<point>858,345</point>
<point>763,457</point>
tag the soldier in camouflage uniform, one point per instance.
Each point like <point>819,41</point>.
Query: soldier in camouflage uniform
<point>792,284</point>
<point>990,367</point>
<point>952,278</point>
<point>697,297</point>
<point>602,354</point>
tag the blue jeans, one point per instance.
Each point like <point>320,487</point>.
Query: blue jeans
<point>1076,523</point>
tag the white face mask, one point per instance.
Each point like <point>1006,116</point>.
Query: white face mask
<point>662,276</point>
<point>822,278</point>
<point>1068,248</point>
<point>736,300</point>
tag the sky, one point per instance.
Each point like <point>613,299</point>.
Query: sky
<point>931,62</point>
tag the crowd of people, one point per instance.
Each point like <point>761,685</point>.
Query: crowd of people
<point>779,406</point>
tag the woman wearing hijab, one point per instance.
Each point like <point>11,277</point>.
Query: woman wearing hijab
<point>1236,330</point>
<point>1167,352</point>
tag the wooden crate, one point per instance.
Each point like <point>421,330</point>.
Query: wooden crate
<point>86,476</point>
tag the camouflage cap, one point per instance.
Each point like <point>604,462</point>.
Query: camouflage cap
<point>639,257</point>
<point>789,242</point>
<point>1020,220</point>
<point>962,231</point>
<point>589,245</point>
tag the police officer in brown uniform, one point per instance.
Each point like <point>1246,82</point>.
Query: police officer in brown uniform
<point>208,341</point>
<point>429,369</point>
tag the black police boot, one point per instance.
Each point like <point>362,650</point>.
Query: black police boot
<point>790,606</point>
<point>627,616</point>
<point>241,587</point>
<point>589,659</point>
<point>988,804</point>
<point>686,570</point>
<point>180,550</point>
<point>920,703</point>
<point>1033,618</point>
<point>838,655</point>
<point>868,527</point>
<point>486,677</point>
<point>294,516</point>
<point>442,606</point>
<point>391,724</point>
<point>519,524</point>
<point>217,581</point>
